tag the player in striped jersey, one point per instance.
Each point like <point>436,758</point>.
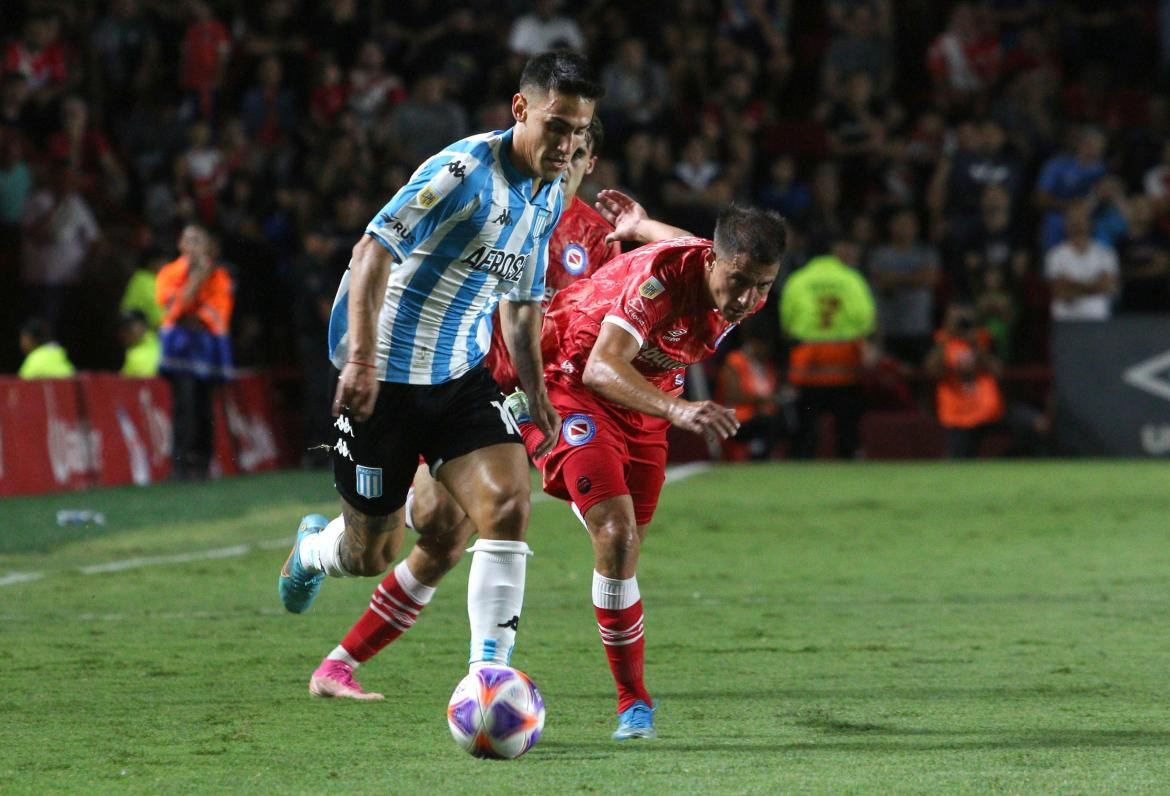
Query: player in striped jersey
<point>582,243</point>
<point>410,325</point>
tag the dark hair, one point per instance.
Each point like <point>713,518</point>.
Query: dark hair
<point>563,71</point>
<point>595,135</point>
<point>38,329</point>
<point>760,234</point>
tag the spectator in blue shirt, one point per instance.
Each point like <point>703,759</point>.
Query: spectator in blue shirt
<point>1067,179</point>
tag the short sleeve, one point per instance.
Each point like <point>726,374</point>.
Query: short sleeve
<point>445,187</point>
<point>644,303</point>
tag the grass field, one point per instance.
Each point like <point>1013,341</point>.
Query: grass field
<point>924,628</point>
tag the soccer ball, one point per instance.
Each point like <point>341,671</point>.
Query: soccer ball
<point>496,712</point>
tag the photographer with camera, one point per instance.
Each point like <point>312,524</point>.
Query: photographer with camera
<point>968,399</point>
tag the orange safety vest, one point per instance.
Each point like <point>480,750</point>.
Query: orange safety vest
<point>212,304</point>
<point>832,363</point>
<point>759,382</point>
<point>966,403</point>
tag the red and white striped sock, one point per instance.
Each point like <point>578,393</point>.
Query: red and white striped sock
<point>618,605</point>
<point>393,609</point>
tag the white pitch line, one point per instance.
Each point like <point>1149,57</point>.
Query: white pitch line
<point>20,577</point>
<point>673,474</point>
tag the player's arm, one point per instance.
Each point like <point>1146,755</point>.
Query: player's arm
<point>610,373</point>
<point>630,221</point>
<point>521,326</point>
<point>369,270</point>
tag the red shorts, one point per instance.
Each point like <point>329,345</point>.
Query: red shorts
<point>598,457</point>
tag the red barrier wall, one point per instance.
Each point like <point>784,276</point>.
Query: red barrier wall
<point>100,429</point>
<point>46,444</point>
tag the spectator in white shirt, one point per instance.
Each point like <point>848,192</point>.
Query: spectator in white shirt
<point>1082,273</point>
<point>544,29</point>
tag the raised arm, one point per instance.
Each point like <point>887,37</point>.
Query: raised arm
<point>630,222</point>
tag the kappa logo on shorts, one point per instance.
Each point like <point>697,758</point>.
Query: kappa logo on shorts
<point>369,482</point>
<point>575,259</point>
<point>578,429</point>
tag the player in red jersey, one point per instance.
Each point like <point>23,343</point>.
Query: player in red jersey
<point>582,242</point>
<point>616,348</point>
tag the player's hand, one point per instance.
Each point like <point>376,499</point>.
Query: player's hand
<point>544,417</point>
<point>705,417</point>
<point>623,212</point>
<point>357,391</point>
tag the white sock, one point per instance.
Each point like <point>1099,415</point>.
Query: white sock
<point>416,590</point>
<point>495,597</point>
<point>339,654</point>
<point>614,594</point>
<point>321,552</point>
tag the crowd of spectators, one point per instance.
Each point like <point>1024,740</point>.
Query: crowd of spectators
<point>1011,156</point>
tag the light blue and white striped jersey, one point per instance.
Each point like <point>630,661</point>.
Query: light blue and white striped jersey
<point>465,231</point>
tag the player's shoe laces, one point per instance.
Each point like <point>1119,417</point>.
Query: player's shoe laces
<point>335,679</point>
<point>298,587</point>
<point>636,721</point>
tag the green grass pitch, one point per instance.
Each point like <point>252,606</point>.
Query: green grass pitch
<point>874,628</point>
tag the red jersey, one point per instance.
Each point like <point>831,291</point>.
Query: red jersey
<point>576,249</point>
<point>656,293</point>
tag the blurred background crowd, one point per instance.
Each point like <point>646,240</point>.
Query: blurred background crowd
<point>982,166</point>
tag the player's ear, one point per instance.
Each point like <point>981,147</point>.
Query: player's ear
<point>520,107</point>
<point>709,259</point>
<point>592,163</point>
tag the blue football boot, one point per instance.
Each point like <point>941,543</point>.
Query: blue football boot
<point>636,721</point>
<point>298,587</point>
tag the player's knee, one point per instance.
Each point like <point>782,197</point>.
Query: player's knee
<point>443,552</point>
<point>618,538</point>
<point>506,515</point>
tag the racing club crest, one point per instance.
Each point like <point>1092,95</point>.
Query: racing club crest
<point>578,429</point>
<point>541,222</point>
<point>575,259</point>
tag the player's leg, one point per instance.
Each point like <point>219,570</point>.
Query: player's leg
<point>403,593</point>
<point>478,455</point>
<point>373,464</point>
<point>492,486</point>
<point>615,483</point>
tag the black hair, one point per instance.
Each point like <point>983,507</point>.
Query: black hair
<point>595,135</point>
<point>38,329</point>
<point>760,234</point>
<point>563,71</point>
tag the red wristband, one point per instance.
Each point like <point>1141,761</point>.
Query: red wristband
<point>363,364</point>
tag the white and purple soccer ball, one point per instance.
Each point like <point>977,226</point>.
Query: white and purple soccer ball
<point>496,712</point>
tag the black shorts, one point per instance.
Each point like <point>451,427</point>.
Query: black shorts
<point>374,461</point>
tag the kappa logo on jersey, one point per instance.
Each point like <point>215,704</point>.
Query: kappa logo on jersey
<point>575,259</point>
<point>504,219</point>
<point>578,429</point>
<point>343,425</point>
<point>674,335</point>
<point>342,449</point>
<point>458,170</point>
<point>651,288</point>
<point>426,198</point>
<point>369,482</point>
